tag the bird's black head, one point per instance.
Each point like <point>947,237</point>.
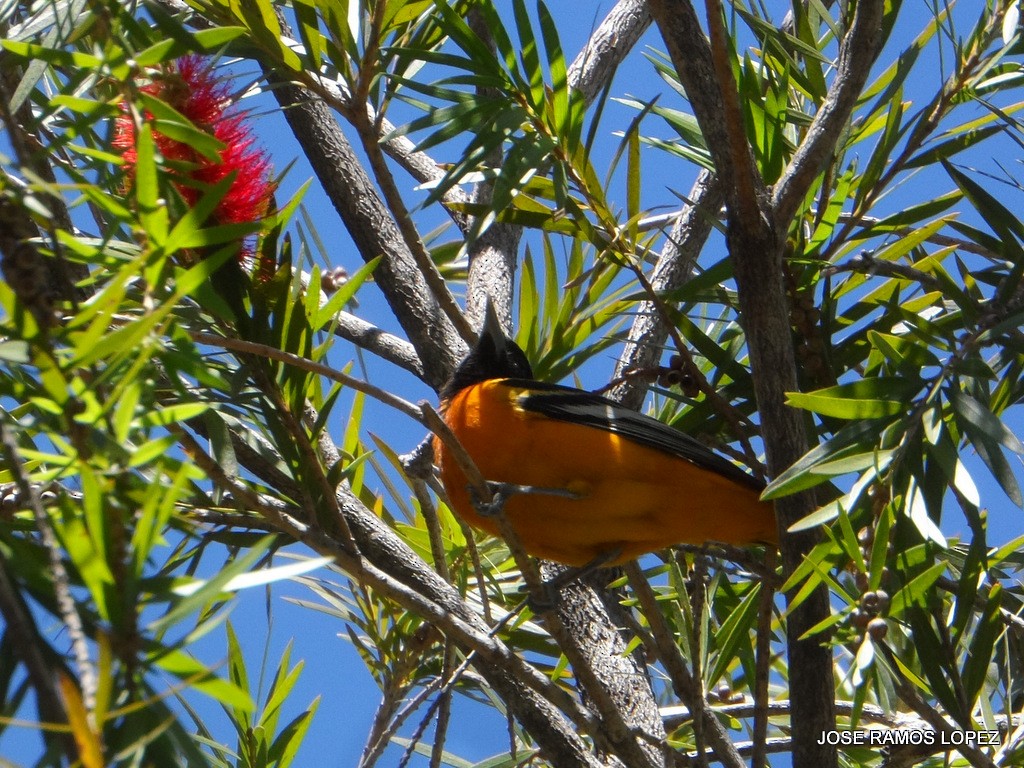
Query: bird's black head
<point>494,356</point>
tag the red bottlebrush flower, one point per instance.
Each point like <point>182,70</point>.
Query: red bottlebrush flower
<point>189,86</point>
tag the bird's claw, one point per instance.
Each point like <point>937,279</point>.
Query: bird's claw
<point>502,492</point>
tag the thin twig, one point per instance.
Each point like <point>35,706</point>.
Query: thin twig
<point>289,358</point>
<point>747,708</point>
<point>387,722</point>
<point>61,581</point>
<point>477,482</point>
<point>866,263</point>
<point>696,590</point>
<point>369,134</point>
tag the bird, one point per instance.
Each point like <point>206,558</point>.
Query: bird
<point>584,480</point>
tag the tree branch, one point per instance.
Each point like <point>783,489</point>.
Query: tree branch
<point>744,186</point>
<point>754,237</point>
<point>674,267</point>
<point>372,228</point>
<point>610,680</point>
<point>697,68</point>
<point>23,634</point>
<point>860,46</point>
<point>615,36</point>
<point>384,345</point>
<point>65,601</point>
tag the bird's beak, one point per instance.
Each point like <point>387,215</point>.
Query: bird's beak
<point>492,328</point>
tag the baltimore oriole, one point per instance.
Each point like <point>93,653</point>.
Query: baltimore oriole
<point>609,482</point>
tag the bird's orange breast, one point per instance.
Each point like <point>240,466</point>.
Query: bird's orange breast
<point>629,498</point>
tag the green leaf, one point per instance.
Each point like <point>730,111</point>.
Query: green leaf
<point>212,588</point>
<point>174,414</point>
<point>734,630</point>
<point>217,37</point>
<point>561,95</point>
<point>14,352</point>
<point>830,216</point>
<point>167,121</point>
<point>261,19</point>
<point>198,677</point>
<point>864,660</point>
<point>913,214</point>
<point>287,743</point>
<point>955,145</point>
<point>864,399</point>
<point>152,450</point>
<point>239,676</point>
<point>918,591</point>
<point>53,56</point>
<point>920,513</point>
<point>879,548</point>
<point>282,685</point>
<point>883,149</point>
<point>931,653</point>
<point>902,352</point>
<point>1007,226</point>
<point>259,578</point>
<point>153,517</point>
<point>189,232</point>
<point>979,654</point>
<point>398,12</point>
<point>908,241</point>
<point>153,213</point>
<point>529,55</point>
<point>633,182</point>
<point>973,413</point>
<point>856,438</point>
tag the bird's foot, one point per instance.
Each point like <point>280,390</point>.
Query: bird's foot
<point>502,492</point>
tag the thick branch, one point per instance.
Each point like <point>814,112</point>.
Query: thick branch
<point>614,37</point>
<point>372,228</point>
<point>384,563</point>
<point>675,264</point>
<point>857,53</point>
<point>692,57</point>
<point>614,683</point>
<point>756,245</point>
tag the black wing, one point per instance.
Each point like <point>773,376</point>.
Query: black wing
<point>580,407</point>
